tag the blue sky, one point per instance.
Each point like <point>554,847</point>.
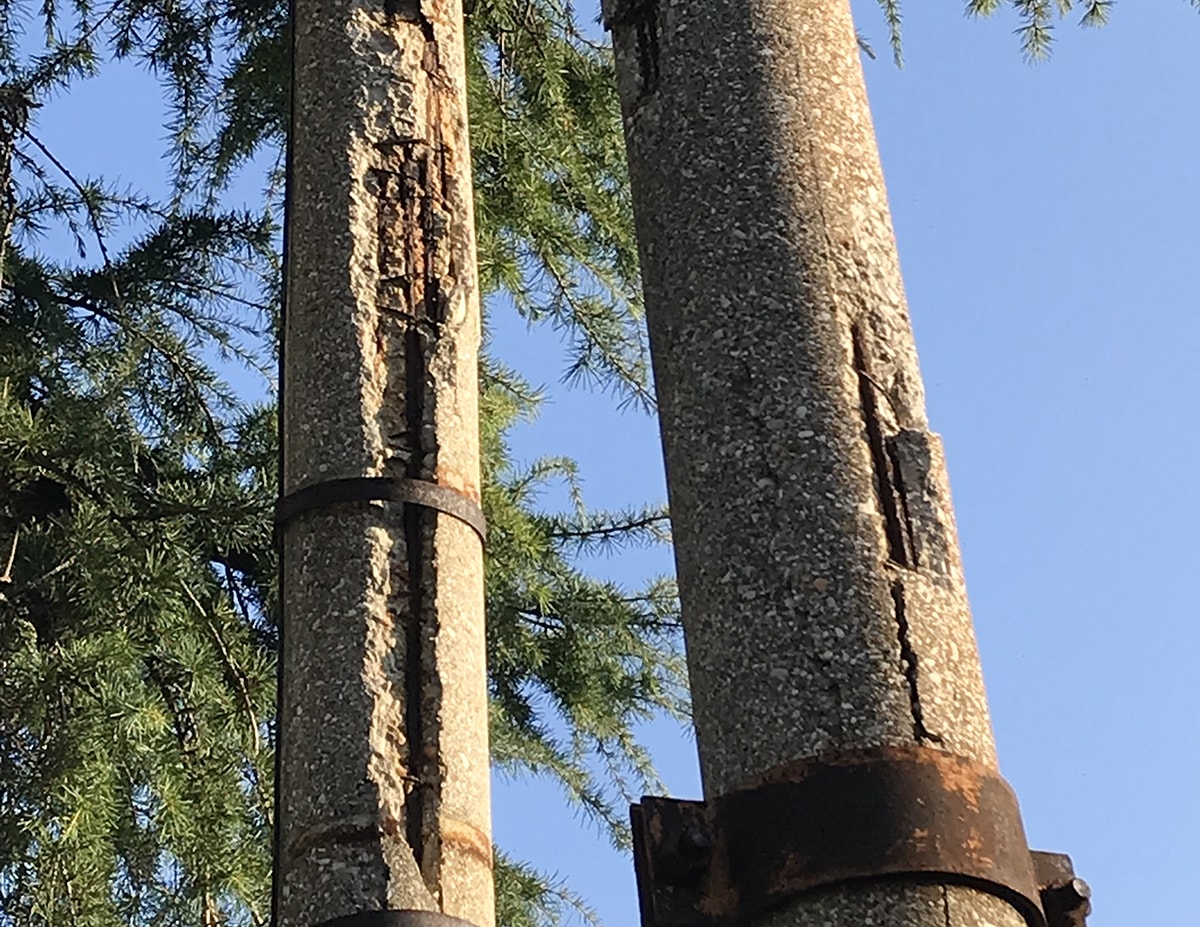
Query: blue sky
<point>1047,223</point>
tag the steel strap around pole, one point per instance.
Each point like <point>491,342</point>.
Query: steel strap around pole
<point>383,489</point>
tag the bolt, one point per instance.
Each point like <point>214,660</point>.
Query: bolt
<point>1067,903</point>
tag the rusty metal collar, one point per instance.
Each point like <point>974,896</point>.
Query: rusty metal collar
<point>892,811</point>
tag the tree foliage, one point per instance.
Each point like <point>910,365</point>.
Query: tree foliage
<point>137,567</point>
<point>1036,20</point>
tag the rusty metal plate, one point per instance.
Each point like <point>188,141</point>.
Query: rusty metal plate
<point>671,880</point>
<point>1066,898</point>
<point>893,811</point>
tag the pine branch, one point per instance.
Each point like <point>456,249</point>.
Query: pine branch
<point>606,533</point>
<point>89,205</point>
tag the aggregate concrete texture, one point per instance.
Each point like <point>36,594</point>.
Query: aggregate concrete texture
<point>823,597</point>
<point>384,790</point>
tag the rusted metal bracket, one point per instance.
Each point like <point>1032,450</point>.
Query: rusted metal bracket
<point>383,489</point>
<point>894,811</point>
<point>1066,898</point>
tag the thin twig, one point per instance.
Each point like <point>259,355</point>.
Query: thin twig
<point>12,556</point>
<point>614,528</point>
<point>213,290</point>
<point>629,377</point>
<point>93,217</point>
<point>171,359</point>
<point>45,71</point>
<point>53,571</point>
<point>230,667</point>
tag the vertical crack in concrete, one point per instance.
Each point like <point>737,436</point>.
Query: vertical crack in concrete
<point>642,17</point>
<point>946,905</point>
<point>409,11</point>
<point>908,657</point>
<point>886,488</point>
<point>647,38</point>
<point>410,289</point>
<point>422,696</point>
<point>897,522</point>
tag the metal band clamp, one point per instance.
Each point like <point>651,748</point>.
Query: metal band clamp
<point>892,811</point>
<point>383,489</point>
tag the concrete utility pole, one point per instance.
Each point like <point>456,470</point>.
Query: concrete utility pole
<point>383,801</point>
<point>830,644</point>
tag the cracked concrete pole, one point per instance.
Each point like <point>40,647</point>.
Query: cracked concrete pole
<point>822,589</point>
<point>383,800</point>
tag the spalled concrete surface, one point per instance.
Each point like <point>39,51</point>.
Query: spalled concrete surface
<point>384,791</point>
<point>823,597</point>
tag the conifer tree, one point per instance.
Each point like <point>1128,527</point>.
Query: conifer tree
<point>136,624</point>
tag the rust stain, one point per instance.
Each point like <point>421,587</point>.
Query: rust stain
<point>959,775</point>
<point>654,826</point>
<point>720,897</point>
<point>461,481</point>
<point>468,839</point>
<point>795,868</point>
